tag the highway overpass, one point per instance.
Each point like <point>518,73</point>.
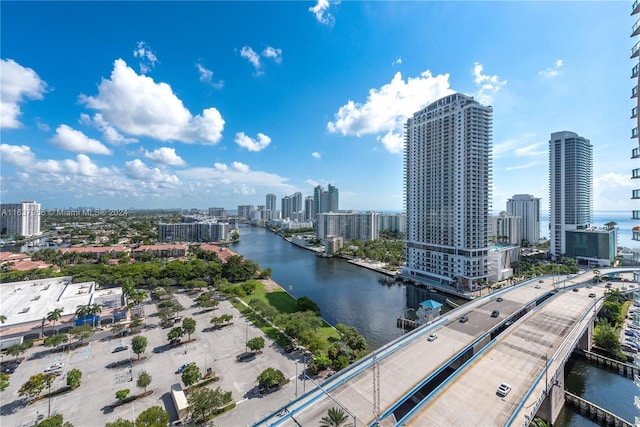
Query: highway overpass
<point>453,379</point>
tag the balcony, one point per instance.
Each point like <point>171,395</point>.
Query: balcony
<point>634,92</point>
<point>635,153</point>
<point>635,173</point>
<point>635,194</point>
<point>635,214</point>
<point>634,132</point>
<point>635,30</point>
<point>634,50</point>
<point>634,71</point>
<point>634,112</point>
<point>635,8</point>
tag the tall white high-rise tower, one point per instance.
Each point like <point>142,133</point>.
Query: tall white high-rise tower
<point>526,207</point>
<point>447,188</point>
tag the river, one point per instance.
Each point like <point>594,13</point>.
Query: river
<point>345,293</point>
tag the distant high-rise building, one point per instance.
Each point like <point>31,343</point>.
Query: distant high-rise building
<point>218,212</point>
<point>287,207</point>
<point>570,187</point>
<point>296,202</point>
<point>326,200</point>
<point>309,214</point>
<point>20,219</point>
<point>348,225</point>
<point>245,211</point>
<point>447,179</point>
<point>332,199</point>
<point>506,229</point>
<point>526,207</point>
<point>272,199</point>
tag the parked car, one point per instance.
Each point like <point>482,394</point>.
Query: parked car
<point>592,295</point>
<point>463,319</point>
<point>432,337</point>
<point>628,349</point>
<point>499,299</point>
<point>181,368</point>
<point>495,313</point>
<point>503,389</point>
<point>629,333</point>
<point>54,367</point>
<point>120,348</point>
<point>537,286</point>
<point>575,289</point>
<point>245,357</point>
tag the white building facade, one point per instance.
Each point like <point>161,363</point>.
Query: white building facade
<point>526,207</point>
<point>447,192</point>
<point>20,219</point>
<point>570,187</point>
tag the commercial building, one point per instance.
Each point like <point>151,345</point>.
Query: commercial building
<point>570,188</point>
<point>20,219</point>
<point>593,247</point>
<point>447,188</point>
<point>527,207</point>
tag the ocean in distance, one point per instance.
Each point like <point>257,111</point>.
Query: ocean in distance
<point>599,219</point>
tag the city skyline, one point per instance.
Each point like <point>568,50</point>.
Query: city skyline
<point>250,110</point>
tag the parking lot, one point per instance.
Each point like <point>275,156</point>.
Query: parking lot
<point>216,349</point>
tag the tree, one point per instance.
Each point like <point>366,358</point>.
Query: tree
<point>256,344</point>
<point>307,304</point>
<point>122,394</point>
<point>54,421</point>
<point>3,318</point>
<point>139,345</point>
<point>16,350</point>
<point>189,326</point>
<point>154,416</point>
<point>54,340</point>
<point>117,328</point>
<point>596,275</point>
<point>74,378</point>
<point>82,332</point>
<point>4,381</point>
<point>35,384</point>
<point>606,336</point>
<point>270,377</point>
<point>94,310</point>
<point>53,316</point>
<point>120,422</point>
<point>144,379</point>
<point>175,333</point>
<point>82,311</point>
<point>135,323</point>
<point>203,402</point>
<point>191,374</point>
<point>335,417</point>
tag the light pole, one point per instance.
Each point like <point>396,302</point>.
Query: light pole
<point>296,378</point>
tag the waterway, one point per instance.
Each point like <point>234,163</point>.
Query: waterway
<point>603,387</point>
<point>345,293</point>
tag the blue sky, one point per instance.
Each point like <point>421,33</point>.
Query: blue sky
<point>163,104</point>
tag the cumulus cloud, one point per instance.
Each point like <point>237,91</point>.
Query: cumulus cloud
<point>386,109</point>
<point>552,71</point>
<point>206,77</point>
<point>17,155</point>
<point>17,83</point>
<point>611,191</point>
<point>315,155</point>
<point>109,133</point>
<point>240,167</point>
<point>165,156</point>
<point>136,169</point>
<point>147,58</point>
<point>487,85</point>
<point>398,61</point>
<point>251,144</point>
<point>82,166</point>
<point>71,139</point>
<point>137,105</point>
<point>321,12</point>
<point>273,53</point>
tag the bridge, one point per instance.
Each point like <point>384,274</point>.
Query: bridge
<point>452,380</point>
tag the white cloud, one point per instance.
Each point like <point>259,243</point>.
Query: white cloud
<point>165,156</point>
<point>315,155</point>
<point>387,108</point>
<point>539,149</point>
<point>147,58</point>
<point>17,83</point>
<point>251,55</point>
<point>42,126</point>
<point>71,139</point>
<point>206,77</point>
<point>17,155</point>
<point>252,144</point>
<point>552,71</point>
<point>220,166</point>
<point>398,61</point>
<point>136,169</point>
<point>530,164</point>
<point>83,166</point>
<point>612,191</point>
<point>487,85</point>
<point>273,53</point>
<point>109,133</point>
<point>321,12</point>
<point>240,167</point>
<point>136,105</point>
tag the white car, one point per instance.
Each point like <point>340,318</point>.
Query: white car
<point>54,367</point>
<point>503,389</point>
<point>432,337</point>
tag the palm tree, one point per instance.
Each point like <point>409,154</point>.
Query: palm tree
<point>3,318</point>
<point>82,311</point>
<point>53,316</point>
<point>335,418</point>
<point>94,310</point>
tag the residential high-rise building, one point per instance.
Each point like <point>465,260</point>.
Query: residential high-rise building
<point>272,199</point>
<point>635,152</point>
<point>348,225</point>
<point>506,229</point>
<point>20,219</point>
<point>245,211</point>
<point>526,207</point>
<point>309,214</point>
<point>332,199</point>
<point>296,202</point>
<point>319,205</point>
<point>287,207</point>
<point>326,200</point>
<point>447,191</point>
<point>218,212</point>
<point>570,187</point>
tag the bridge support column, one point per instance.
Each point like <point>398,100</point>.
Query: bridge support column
<point>550,408</point>
<point>586,341</point>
